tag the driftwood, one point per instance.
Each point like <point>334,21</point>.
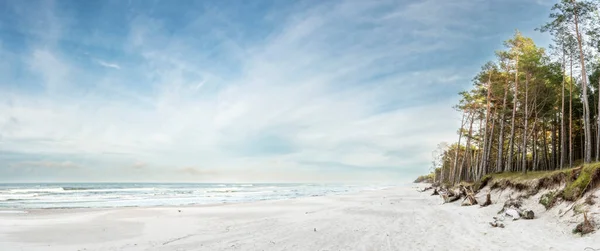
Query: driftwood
<point>488,200</point>
<point>498,222</point>
<point>450,198</point>
<point>469,201</point>
<point>512,207</point>
<point>511,203</point>
<point>585,227</point>
<point>469,197</point>
<point>527,214</point>
<point>449,195</point>
<point>426,189</point>
<point>462,191</point>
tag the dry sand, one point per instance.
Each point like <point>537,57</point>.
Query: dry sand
<point>392,219</point>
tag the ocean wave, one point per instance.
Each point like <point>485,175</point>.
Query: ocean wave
<point>5,199</point>
<point>37,190</point>
<point>77,188</point>
<point>222,191</point>
<point>15,197</point>
<point>121,195</point>
<point>108,190</point>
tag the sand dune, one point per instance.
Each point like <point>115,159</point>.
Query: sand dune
<point>392,219</point>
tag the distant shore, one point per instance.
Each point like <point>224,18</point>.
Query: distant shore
<point>398,218</point>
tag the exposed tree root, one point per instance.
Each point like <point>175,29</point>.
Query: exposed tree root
<point>585,227</point>
<point>426,189</point>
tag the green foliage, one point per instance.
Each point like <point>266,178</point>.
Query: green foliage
<point>425,178</point>
<point>533,102</point>
<point>548,199</point>
<point>586,177</point>
<point>578,209</point>
<point>584,181</point>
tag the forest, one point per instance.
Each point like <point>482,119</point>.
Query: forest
<point>532,108</point>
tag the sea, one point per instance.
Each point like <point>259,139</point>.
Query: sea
<point>111,195</point>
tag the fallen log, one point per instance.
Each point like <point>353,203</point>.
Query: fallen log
<point>425,189</point>
<point>469,195</point>
<point>449,198</point>
<point>469,201</point>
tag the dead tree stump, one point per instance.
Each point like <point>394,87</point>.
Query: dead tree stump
<point>488,200</point>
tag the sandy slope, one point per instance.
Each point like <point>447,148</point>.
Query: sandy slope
<point>392,219</point>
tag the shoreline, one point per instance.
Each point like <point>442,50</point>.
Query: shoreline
<point>397,218</point>
<point>92,195</point>
<point>211,204</point>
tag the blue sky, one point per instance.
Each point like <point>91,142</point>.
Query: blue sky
<point>215,91</point>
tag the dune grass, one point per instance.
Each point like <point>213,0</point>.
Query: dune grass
<point>578,180</point>
<point>520,176</point>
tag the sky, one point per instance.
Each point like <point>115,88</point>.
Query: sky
<point>240,91</point>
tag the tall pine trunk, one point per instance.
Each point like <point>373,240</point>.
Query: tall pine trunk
<point>586,106</point>
<point>555,147</point>
<point>481,152</point>
<point>512,126</point>
<point>491,141</point>
<point>484,155</point>
<point>526,118</point>
<point>534,135</point>
<point>571,115</point>
<point>598,124</point>
<point>499,159</point>
<point>467,150</point>
<point>562,117</point>
<point>457,150</point>
<point>548,166</point>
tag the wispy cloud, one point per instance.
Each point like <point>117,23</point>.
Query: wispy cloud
<point>108,65</point>
<point>46,164</point>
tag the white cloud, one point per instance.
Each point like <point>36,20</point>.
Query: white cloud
<point>320,89</point>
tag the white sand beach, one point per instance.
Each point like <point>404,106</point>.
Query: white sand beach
<point>397,218</point>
